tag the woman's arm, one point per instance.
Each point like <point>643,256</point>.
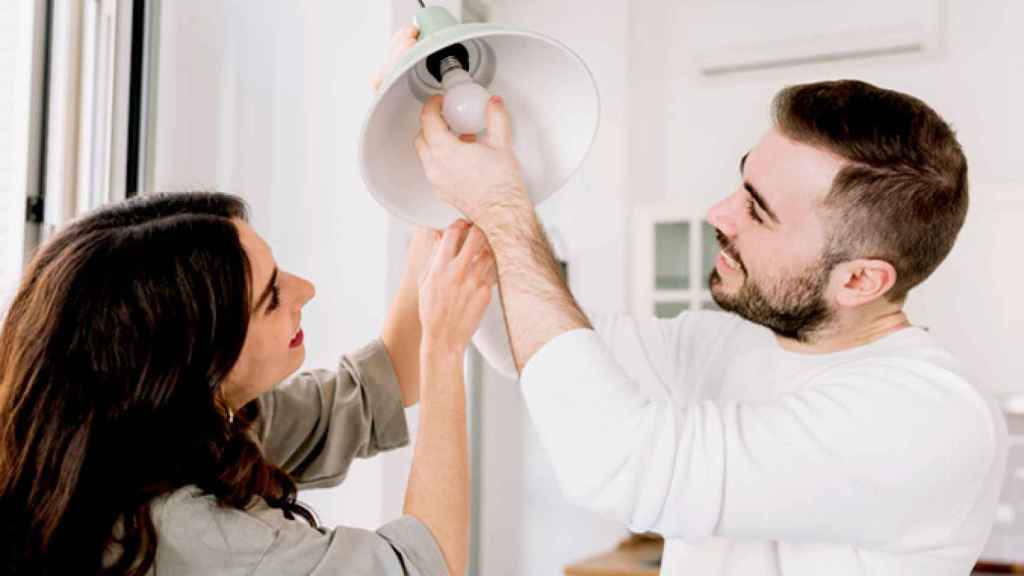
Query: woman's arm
<point>315,424</point>
<point>453,296</point>
<point>402,331</point>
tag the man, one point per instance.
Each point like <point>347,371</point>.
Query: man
<point>813,431</point>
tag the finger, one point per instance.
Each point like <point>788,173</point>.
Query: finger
<point>453,237</point>
<point>403,37</point>
<point>475,244</point>
<point>499,125</point>
<point>435,129</point>
<point>403,45</point>
<point>467,227</point>
<point>422,148</point>
<point>492,274</point>
<point>476,305</point>
<point>482,270</point>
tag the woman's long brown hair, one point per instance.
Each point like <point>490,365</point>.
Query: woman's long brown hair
<point>111,355</point>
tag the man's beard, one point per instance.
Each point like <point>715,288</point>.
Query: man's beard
<point>793,308</point>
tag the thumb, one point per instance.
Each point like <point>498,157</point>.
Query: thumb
<point>499,125</point>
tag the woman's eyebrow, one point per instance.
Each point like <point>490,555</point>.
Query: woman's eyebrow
<point>266,291</point>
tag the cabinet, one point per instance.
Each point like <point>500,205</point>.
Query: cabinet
<point>674,252</point>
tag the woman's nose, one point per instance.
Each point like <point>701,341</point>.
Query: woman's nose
<point>308,290</point>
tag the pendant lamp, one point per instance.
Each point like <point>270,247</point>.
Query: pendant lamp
<point>549,91</point>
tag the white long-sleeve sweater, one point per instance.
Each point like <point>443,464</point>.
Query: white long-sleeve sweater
<point>750,459</point>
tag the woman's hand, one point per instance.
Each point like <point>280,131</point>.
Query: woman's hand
<point>455,290</point>
<point>404,39</point>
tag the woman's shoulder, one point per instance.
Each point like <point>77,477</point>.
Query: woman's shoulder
<point>195,535</point>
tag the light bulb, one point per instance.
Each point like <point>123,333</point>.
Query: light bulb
<point>465,101</point>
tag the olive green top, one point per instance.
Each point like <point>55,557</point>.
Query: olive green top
<point>312,426</point>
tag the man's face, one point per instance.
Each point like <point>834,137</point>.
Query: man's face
<point>773,269</point>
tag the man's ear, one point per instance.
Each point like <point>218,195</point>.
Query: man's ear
<point>862,281</point>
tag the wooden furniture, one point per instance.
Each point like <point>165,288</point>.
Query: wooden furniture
<point>640,555</point>
<point>637,556</point>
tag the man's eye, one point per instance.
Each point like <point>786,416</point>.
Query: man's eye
<point>752,210</point>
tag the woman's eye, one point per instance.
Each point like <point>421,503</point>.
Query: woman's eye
<point>275,298</point>
<point>752,210</point>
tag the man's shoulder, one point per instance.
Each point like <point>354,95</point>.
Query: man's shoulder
<point>912,353</point>
<point>914,371</point>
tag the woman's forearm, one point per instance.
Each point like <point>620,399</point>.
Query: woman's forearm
<point>438,489</point>
<point>401,337</point>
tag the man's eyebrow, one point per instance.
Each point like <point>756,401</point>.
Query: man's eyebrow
<point>755,194</point>
<point>266,291</point>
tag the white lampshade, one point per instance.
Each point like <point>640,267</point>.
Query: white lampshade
<point>548,90</point>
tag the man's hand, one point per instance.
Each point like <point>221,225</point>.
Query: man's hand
<point>481,178</point>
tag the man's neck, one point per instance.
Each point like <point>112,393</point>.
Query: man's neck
<point>845,334</point>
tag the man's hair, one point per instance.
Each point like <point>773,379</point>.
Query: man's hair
<point>902,196</point>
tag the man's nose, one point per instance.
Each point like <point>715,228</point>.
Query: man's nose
<point>722,217</point>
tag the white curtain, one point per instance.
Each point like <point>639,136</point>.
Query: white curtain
<point>87,128</point>
<point>21,28</point>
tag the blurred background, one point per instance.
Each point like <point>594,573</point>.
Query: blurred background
<point>105,99</point>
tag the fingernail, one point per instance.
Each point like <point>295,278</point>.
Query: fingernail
<point>497,99</point>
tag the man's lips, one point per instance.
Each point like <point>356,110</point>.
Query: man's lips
<point>730,259</point>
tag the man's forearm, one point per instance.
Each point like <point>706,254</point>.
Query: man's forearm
<point>537,303</point>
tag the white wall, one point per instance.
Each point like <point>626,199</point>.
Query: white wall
<point>265,99</point>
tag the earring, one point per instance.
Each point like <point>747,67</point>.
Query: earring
<point>224,401</point>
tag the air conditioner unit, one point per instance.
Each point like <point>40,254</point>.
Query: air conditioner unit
<point>728,36</point>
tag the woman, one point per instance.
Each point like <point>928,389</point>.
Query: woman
<point>141,431</point>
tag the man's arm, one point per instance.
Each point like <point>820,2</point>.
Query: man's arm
<point>537,303</point>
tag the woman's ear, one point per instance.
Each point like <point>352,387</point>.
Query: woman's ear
<point>863,281</point>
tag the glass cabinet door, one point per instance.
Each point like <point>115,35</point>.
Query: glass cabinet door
<point>672,256</point>
<point>670,309</point>
<point>709,248</point>
<point>675,256</point>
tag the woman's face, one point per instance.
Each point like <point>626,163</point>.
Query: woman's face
<point>273,347</point>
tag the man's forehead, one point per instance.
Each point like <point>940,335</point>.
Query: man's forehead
<point>785,170</point>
